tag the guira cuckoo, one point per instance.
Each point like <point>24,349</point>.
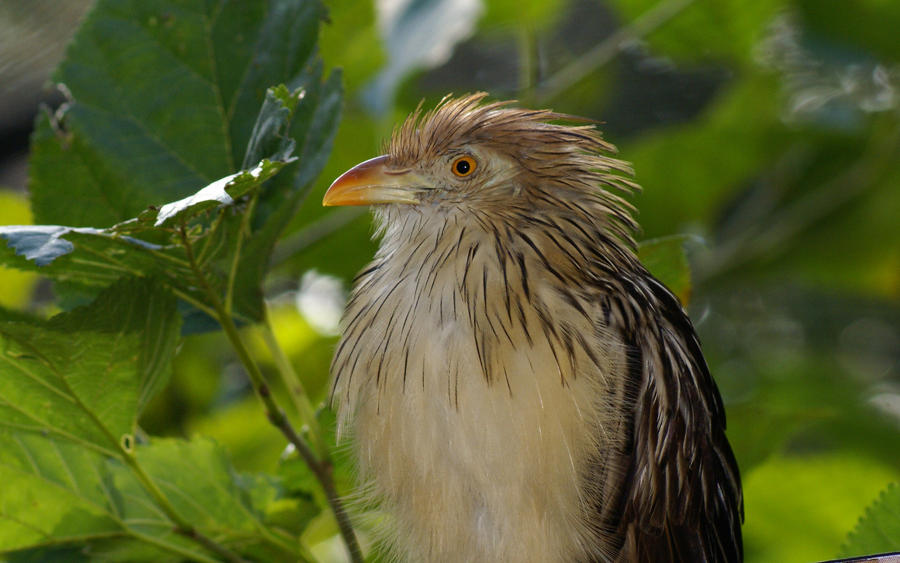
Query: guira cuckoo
<point>517,386</point>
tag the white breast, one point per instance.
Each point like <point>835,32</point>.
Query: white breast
<point>470,469</point>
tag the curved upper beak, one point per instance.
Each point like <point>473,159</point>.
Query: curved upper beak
<point>372,182</point>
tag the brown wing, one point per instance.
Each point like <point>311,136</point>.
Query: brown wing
<point>678,496</point>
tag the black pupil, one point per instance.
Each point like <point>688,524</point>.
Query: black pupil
<point>463,166</point>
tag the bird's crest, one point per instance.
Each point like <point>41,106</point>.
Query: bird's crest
<point>466,119</point>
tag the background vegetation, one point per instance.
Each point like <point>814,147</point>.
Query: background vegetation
<point>766,135</point>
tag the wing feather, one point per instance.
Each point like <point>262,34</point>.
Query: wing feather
<point>679,493</point>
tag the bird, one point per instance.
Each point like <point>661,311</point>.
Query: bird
<point>513,383</point>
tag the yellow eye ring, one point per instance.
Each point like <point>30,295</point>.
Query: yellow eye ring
<point>463,166</point>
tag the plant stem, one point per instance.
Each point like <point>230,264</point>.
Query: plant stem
<point>236,259</point>
<point>321,468</point>
<point>323,472</point>
<point>294,386</point>
<point>207,240</point>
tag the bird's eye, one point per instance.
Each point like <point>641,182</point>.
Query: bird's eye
<point>463,166</point>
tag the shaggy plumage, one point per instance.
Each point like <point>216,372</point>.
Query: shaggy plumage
<point>516,384</point>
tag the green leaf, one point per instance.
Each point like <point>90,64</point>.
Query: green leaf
<point>878,531</point>
<point>314,125</point>
<point>83,376</point>
<point>97,257</point>
<point>53,492</point>
<point>271,126</point>
<point>199,481</point>
<point>63,493</point>
<point>223,191</point>
<point>165,97</point>
<point>666,260</point>
<point>43,244</point>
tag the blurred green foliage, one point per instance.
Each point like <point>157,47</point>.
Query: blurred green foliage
<point>17,286</point>
<point>767,132</point>
<point>818,499</point>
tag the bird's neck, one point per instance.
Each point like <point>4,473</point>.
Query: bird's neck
<point>499,281</point>
<point>577,237</point>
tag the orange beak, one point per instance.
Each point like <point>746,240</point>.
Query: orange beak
<point>372,182</point>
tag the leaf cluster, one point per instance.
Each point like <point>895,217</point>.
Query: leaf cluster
<point>162,185</point>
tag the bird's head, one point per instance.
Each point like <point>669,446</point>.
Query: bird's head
<point>493,161</point>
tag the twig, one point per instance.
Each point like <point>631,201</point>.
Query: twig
<point>323,470</point>
<point>607,50</point>
<point>294,385</point>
